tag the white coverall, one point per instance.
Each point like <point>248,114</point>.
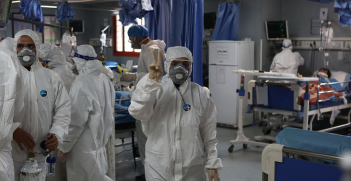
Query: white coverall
<point>177,139</point>
<point>287,61</point>
<point>8,79</point>
<point>145,60</point>
<point>7,43</point>
<point>67,51</point>
<point>107,71</point>
<point>93,97</point>
<point>45,108</point>
<point>58,63</point>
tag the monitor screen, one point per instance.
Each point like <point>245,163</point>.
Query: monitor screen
<point>277,30</point>
<point>78,25</point>
<point>209,20</point>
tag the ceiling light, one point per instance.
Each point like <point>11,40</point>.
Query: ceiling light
<point>44,6</point>
<point>16,1</point>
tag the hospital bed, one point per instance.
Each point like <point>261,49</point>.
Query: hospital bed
<point>305,155</point>
<point>124,122</point>
<point>282,96</point>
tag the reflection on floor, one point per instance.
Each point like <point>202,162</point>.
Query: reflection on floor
<point>241,165</point>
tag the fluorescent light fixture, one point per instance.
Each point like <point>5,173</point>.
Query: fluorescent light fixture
<point>16,1</point>
<point>44,6</point>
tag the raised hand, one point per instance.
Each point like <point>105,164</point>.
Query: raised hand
<point>155,68</point>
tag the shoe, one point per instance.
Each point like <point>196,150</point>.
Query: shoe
<point>140,178</point>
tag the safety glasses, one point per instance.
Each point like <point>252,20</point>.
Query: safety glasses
<point>185,63</point>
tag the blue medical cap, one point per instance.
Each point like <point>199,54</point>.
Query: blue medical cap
<point>138,31</point>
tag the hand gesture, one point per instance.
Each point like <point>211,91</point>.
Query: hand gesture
<point>52,143</point>
<point>155,68</point>
<point>61,156</point>
<point>213,175</point>
<point>22,137</point>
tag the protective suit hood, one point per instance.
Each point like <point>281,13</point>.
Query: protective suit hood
<point>66,49</point>
<point>174,53</point>
<point>8,43</point>
<point>31,34</point>
<point>287,44</point>
<point>52,53</point>
<point>86,67</point>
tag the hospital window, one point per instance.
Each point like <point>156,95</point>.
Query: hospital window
<point>121,46</point>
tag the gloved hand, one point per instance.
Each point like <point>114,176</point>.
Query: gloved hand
<point>22,137</point>
<point>130,77</point>
<point>208,90</point>
<point>213,174</point>
<point>61,156</point>
<point>52,143</point>
<point>155,68</point>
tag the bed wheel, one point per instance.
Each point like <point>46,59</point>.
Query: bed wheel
<point>231,148</point>
<point>244,146</point>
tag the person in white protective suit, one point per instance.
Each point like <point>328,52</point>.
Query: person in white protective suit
<point>68,50</point>
<point>139,38</point>
<point>93,97</point>
<point>179,120</point>
<point>107,71</point>
<point>7,43</point>
<point>46,104</point>
<point>287,61</point>
<point>58,63</point>
<point>8,79</point>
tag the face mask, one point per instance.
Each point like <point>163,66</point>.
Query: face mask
<point>322,74</point>
<point>74,70</point>
<point>27,56</point>
<point>137,46</point>
<point>179,74</point>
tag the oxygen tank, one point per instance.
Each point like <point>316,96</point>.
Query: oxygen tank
<point>30,170</point>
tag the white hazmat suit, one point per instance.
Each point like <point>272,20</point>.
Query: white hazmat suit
<point>287,61</point>
<point>7,43</point>
<point>92,95</point>
<point>67,50</point>
<point>45,108</point>
<point>177,139</point>
<point>8,78</point>
<point>58,63</point>
<point>145,60</point>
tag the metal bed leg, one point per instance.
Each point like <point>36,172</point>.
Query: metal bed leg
<point>311,123</point>
<point>133,147</point>
<point>306,106</point>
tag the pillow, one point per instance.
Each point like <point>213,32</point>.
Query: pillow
<point>341,76</point>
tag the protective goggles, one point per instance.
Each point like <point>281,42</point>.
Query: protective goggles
<point>74,50</point>
<point>84,57</point>
<point>185,63</point>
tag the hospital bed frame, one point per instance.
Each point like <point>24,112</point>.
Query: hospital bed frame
<point>265,77</point>
<point>126,133</point>
<point>279,164</point>
<point>307,123</point>
<point>241,138</point>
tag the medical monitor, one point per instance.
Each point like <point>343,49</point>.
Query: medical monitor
<point>277,30</point>
<point>210,20</point>
<point>77,25</point>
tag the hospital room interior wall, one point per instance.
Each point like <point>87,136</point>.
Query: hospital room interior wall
<point>299,14</point>
<point>250,25</point>
<point>271,11</point>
